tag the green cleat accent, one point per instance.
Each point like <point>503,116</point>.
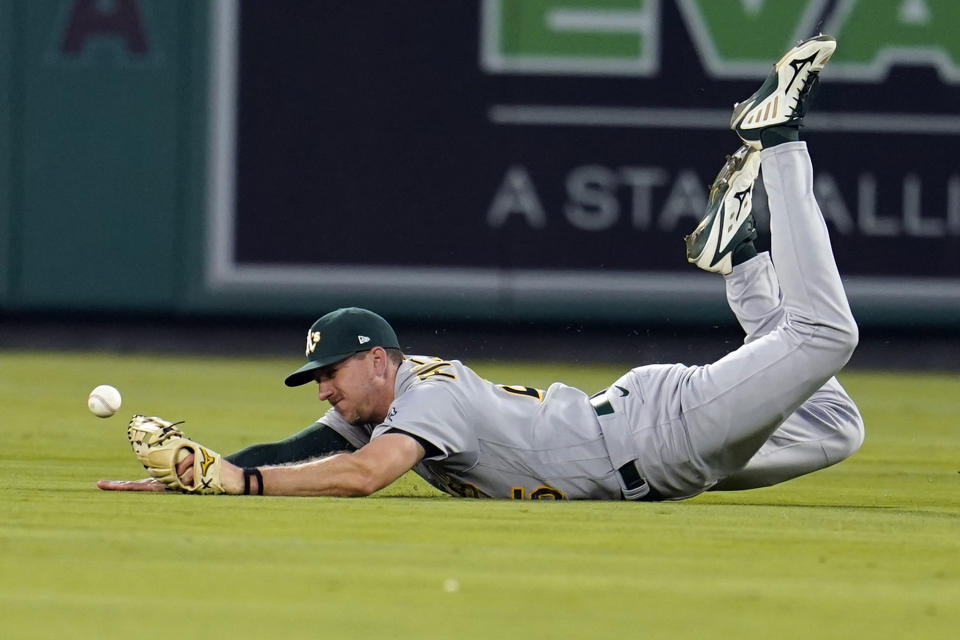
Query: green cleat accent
<point>785,95</point>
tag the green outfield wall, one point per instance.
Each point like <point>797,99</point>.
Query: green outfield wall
<point>97,132</point>
<point>523,160</point>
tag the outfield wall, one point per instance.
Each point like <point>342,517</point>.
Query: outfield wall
<point>526,160</point>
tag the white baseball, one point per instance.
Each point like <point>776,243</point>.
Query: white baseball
<point>104,401</point>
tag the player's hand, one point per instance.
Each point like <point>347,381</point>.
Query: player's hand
<point>149,485</point>
<point>184,470</point>
<point>172,458</point>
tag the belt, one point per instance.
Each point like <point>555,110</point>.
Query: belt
<point>635,487</point>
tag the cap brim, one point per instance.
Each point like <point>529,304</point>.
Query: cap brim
<point>304,374</point>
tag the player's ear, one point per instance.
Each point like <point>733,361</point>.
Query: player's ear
<point>380,360</point>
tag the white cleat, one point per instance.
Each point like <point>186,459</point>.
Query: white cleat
<point>781,99</point>
<point>728,223</point>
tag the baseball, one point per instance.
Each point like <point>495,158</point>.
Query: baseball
<point>104,401</point>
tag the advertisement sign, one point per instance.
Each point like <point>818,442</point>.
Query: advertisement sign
<point>553,153</point>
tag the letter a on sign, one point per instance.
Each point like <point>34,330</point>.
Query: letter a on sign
<point>92,20</point>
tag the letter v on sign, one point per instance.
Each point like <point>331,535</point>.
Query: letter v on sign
<point>740,38</point>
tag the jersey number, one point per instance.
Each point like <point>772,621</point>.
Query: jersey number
<point>542,492</point>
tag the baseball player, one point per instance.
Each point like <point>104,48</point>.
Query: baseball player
<point>765,413</point>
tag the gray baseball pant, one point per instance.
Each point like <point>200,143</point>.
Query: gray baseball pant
<point>771,410</point>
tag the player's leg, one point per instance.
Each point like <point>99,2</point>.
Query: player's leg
<point>729,409</point>
<point>753,295</point>
<point>826,429</point>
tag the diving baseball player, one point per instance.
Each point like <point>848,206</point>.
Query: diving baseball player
<point>765,413</point>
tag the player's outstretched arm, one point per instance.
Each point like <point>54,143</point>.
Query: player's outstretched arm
<point>361,473</point>
<point>317,440</point>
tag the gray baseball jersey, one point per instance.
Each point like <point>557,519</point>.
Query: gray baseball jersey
<point>491,440</point>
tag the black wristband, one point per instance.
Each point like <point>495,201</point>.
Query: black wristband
<point>246,481</point>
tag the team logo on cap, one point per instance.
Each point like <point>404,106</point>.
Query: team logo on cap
<point>313,338</point>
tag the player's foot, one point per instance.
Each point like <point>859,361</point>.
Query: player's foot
<point>775,112</point>
<point>724,238</point>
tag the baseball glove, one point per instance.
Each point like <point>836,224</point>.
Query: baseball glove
<point>159,445</point>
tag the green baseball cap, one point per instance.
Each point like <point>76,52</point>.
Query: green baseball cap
<point>339,335</point>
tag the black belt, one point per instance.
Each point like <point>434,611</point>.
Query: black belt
<point>635,483</point>
<point>632,479</point>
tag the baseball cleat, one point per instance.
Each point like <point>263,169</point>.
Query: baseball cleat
<point>728,227</point>
<point>783,97</point>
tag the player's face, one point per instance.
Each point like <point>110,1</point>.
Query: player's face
<point>350,387</point>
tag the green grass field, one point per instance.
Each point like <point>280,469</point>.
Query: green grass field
<point>869,548</point>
